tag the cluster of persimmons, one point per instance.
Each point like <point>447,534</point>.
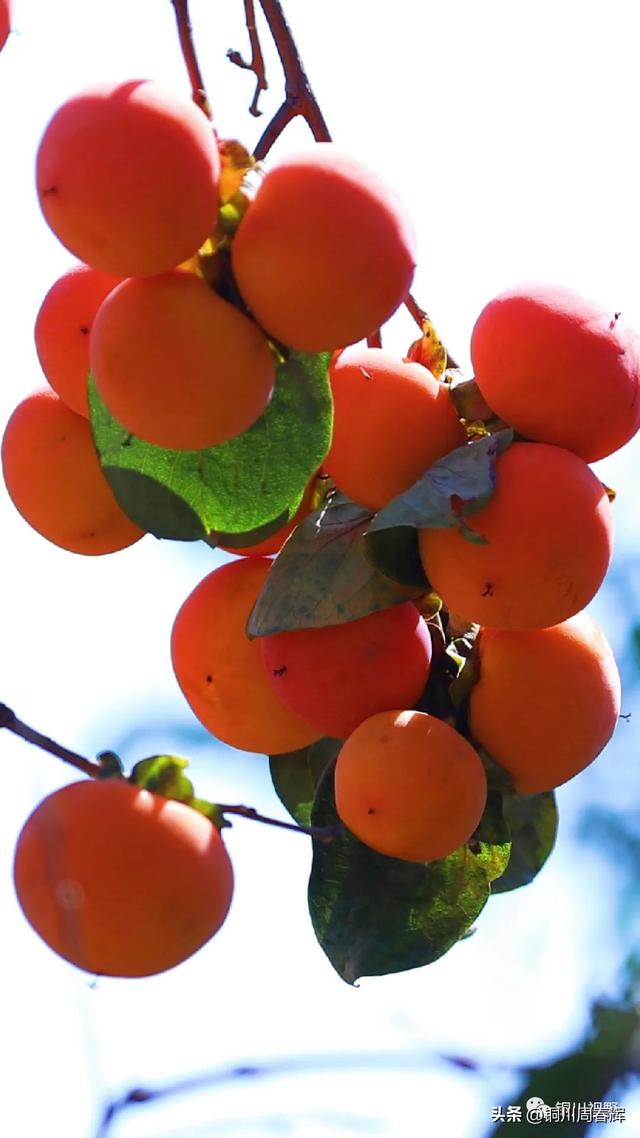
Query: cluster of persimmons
<point>129,180</point>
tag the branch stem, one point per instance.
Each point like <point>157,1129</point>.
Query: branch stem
<point>321,833</point>
<point>299,98</point>
<point>10,721</point>
<point>185,35</point>
<point>256,63</point>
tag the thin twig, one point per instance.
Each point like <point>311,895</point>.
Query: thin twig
<point>321,833</point>
<point>185,35</point>
<point>256,63</point>
<point>415,311</point>
<point>10,721</point>
<point>418,1060</point>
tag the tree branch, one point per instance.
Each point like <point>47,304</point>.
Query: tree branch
<point>110,762</point>
<point>10,721</point>
<point>256,63</point>
<point>185,35</point>
<point>416,1060</point>
<point>299,97</point>
<point>320,833</point>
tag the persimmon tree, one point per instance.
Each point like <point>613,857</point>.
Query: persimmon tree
<point>414,662</point>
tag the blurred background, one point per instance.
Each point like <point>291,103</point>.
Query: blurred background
<point>510,130</point>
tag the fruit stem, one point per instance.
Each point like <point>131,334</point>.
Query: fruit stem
<point>256,63</point>
<point>9,719</point>
<point>321,833</point>
<point>185,35</point>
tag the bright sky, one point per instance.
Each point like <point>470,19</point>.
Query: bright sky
<point>511,130</point>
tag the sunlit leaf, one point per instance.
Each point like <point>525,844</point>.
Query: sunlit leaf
<point>163,774</point>
<point>492,840</point>
<point>373,914</point>
<point>232,488</point>
<point>429,350</point>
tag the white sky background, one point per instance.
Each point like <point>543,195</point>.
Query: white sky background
<point>511,130</point>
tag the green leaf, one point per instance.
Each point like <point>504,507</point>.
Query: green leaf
<point>232,488</point>
<point>373,914</point>
<point>296,775</point>
<point>323,576</point>
<point>163,774</point>
<point>251,537</point>
<point>466,475</point>
<point>492,840</point>
<point>533,822</point>
<point>395,553</point>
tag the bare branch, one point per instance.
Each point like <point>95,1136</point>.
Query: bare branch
<point>10,721</point>
<point>256,63</point>
<point>299,98</point>
<point>185,35</point>
<point>321,833</point>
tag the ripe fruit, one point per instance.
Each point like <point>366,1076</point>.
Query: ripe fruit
<point>127,177</point>
<point>54,479</point>
<point>5,21</point>
<point>548,528</point>
<point>324,254</point>
<point>408,785</point>
<point>62,330</point>
<point>220,671</point>
<point>177,365</point>
<point>335,677</point>
<point>119,881</point>
<point>547,701</point>
<point>559,369</point>
<point>392,420</point>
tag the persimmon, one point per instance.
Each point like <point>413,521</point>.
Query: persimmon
<point>127,177</point>
<point>120,881</point>
<point>337,676</point>
<point>5,21</point>
<point>177,365</point>
<point>62,330</point>
<point>53,476</point>
<point>220,671</point>
<point>409,786</point>
<point>392,420</point>
<point>548,534</point>
<point>559,369</point>
<point>324,254</point>
<point>547,700</point>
